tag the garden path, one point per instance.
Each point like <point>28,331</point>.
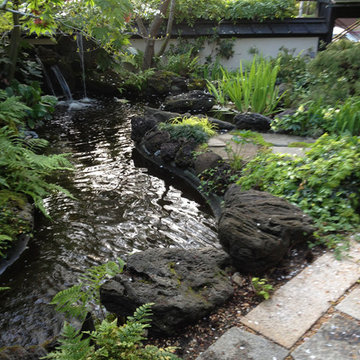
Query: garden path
<point>280,144</point>
<point>316,315</point>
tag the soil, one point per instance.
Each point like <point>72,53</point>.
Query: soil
<point>196,338</point>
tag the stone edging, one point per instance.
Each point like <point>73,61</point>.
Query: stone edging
<point>213,201</point>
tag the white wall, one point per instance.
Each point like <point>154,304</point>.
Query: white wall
<point>243,46</point>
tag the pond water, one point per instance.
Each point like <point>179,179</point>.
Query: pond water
<point>120,206</point>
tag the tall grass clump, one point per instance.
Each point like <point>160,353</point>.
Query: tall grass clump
<point>253,89</point>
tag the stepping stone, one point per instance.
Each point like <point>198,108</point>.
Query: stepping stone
<point>293,151</point>
<point>284,140</point>
<point>337,339</point>
<point>351,304</point>
<point>297,305</point>
<point>238,344</point>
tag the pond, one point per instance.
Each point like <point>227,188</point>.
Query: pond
<point>120,205</point>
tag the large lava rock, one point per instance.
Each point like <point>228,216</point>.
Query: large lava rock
<point>206,161</point>
<point>252,121</point>
<point>154,139</point>
<point>195,102</point>
<point>140,125</point>
<point>257,228</point>
<point>184,286</point>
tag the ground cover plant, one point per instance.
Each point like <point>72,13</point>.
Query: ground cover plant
<point>196,128</point>
<point>324,183</point>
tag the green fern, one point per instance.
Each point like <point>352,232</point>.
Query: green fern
<point>12,111</point>
<point>78,300</point>
<point>72,346</point>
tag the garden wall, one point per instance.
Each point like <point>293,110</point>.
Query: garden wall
<point>244,48</point>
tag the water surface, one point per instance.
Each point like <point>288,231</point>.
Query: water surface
<point>120,206</point>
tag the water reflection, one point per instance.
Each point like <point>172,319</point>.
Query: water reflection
<point>118,208</point>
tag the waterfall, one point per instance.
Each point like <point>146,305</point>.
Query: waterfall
<point>64,85</point>
<point>79,42</point>
<point>46,75</point>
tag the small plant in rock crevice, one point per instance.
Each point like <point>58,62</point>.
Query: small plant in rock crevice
<point>262,287</point>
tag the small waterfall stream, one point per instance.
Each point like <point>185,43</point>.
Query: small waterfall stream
<point>120,206</point>
<point>80,45</point>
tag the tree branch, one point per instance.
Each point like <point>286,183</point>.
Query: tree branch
<point>141,26</point>
<point>3,5</point>
<point>168,28</point>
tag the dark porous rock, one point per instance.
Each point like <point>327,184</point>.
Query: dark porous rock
<point>168,151</point>
<point>252,121</point>
<point>164,83</point>
<point>256,228</point>
<point>184,285</point>
<point>185,156</point>
<point>154,139</point>
<point>205,161</point>
<point>195,102</point>
<point>20,353</point>
<point>140,126</point>
<point>161,115</point>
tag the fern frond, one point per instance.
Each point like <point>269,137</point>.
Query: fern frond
<point>71,301</point>
<point>73,346</point>
<point>142,314</point>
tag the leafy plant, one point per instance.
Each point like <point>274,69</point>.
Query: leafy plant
<point>253,89</point>
<point>108,340</point>
<point>23,174</point>
<point>260,10</point>
<point>324,183</point>
<point>84,297</point>
<point>182,64</point>
<point>335,72</point>
<point>261,287</point>
<point>197,128</point>
<point>313,119</point>
<point>217,180</point>
<point>240,139</point>
<point>39,108</point>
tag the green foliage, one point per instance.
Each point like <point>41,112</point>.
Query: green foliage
<point>108,340</point>
<point>181,64</point>
<point>39,108</point>
<point>260,10</point>
<point>261,287</point>
<point>12,110</point>
<point>313,119</point>
<point>324,183</point>
<point>251,89</point>
<point>78,300</point>
<point>335,72</point>
<point>197,128</point>
<point>217,180</point>
<point>235,148</point>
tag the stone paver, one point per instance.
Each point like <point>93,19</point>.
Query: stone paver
<point>284,140</point>
<point>339,339</point>
<point>351,304</point>
<point>294,151</point>
<point>297,305</point>
<point>238,344</point>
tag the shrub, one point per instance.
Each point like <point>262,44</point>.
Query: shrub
<point>324,183</point>
<point>313,119</point>
<point>335,72</point>
<point>196,128</point>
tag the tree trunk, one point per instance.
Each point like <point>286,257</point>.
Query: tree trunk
<point>153,32</point>
<point>168,28</point>
<point>14,44</point>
